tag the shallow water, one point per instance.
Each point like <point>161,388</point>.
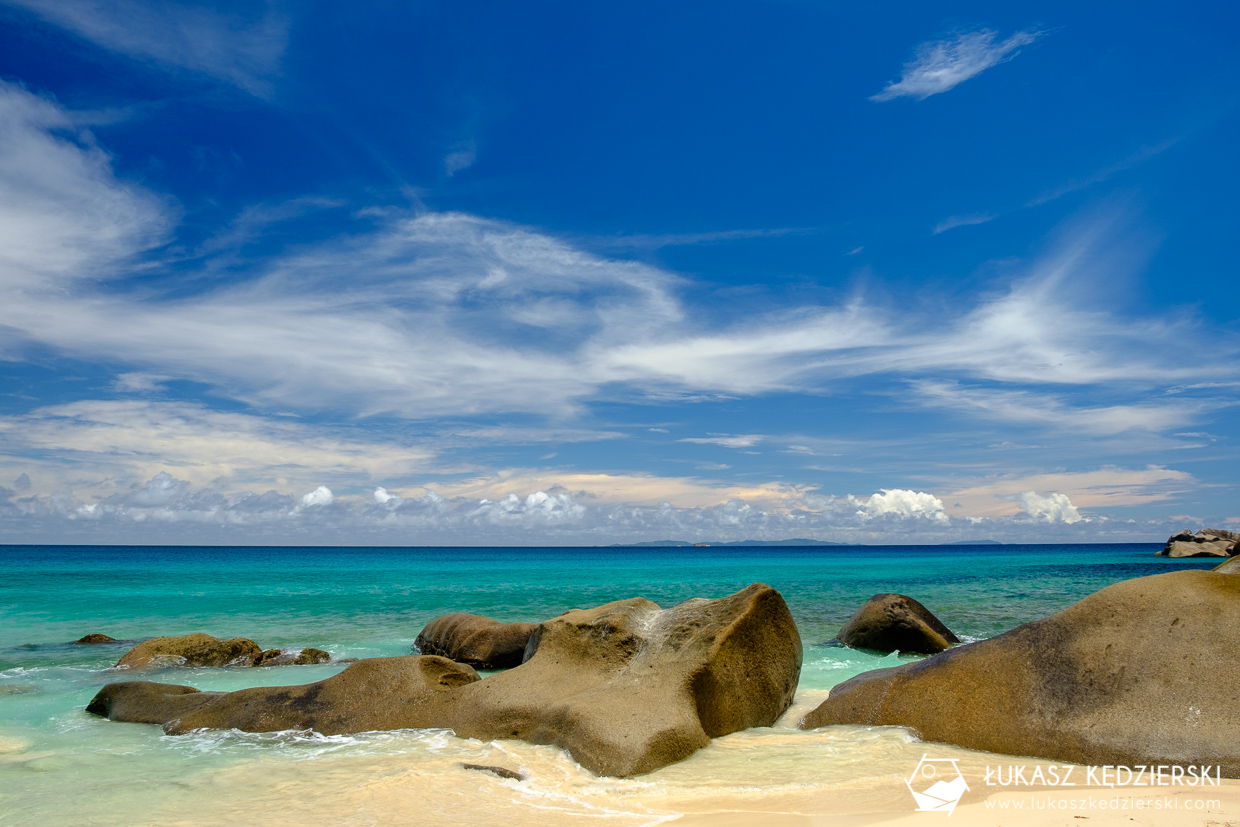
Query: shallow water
<point>59,765</point>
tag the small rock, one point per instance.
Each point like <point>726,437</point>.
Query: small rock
<point>311,656</point>
<point>502,772</point>
<point>91,639</point>
<point>191,650</point>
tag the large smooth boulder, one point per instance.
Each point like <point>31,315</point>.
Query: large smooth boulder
<point>372,694</point>
<point>1141,672</point>
<point>894,622</point>
<point>1209,542</point>
<point>481,642</point>
<point>191,650</point>
<point>628,687</point>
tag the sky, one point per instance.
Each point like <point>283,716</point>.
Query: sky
<point>454,273</point>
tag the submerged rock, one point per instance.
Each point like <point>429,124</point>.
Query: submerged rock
<point>288,657</point>
<point>894,622</point>
<point>481,642</point>
<point>1209,542</point>
<point>1141,672</point>
<point>626,688</point>
<point>502,772</point>
<point>191,650</point>
<point>95,638</point>
<point>148,702</point>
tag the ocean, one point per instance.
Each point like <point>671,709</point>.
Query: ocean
<point>61,766</point>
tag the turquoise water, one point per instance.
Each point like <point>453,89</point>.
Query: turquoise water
<point>59,765</point>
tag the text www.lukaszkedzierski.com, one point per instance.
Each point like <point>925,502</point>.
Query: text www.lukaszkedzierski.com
<point>1113,803</point>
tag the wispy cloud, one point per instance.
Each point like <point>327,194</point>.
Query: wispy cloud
<point>654,241</point>
<point>424,315</point>
<point>742,441</point>
<point>962,221</point>
<point>1135,159</point>
<point>941,65</point>
<point>104,439</point>
<point>1053,410</point>
<point>461,158</point>
<point>244,51</point>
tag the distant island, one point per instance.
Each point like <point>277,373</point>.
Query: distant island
<point>973,543</point>
<point>797,541</point>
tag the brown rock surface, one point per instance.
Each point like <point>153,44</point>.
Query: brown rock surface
<point>481,642</point>
<point>626,688</point>
<point>1141,672</point>
<point>372,694</point>
<point>191,650</point>
<point>283,657</point>
<point>894,622</point>
<point>93,639</point>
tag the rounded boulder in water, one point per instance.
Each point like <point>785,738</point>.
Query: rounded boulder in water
<point>896,623</point>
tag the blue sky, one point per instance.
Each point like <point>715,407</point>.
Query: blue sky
<point>422,273</point>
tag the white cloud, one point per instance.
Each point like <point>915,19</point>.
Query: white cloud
<point>381,495</point>
<point>442,314</point>
<point>244,51</point>
<point>941,65</point>
<point>1052,507</point>
<point>64,217</point>
<point>742,441</point>
<point>139,438</point>
<point>903,503</point>
<point>319,496</point>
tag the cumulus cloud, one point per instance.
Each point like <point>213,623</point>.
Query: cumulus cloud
<point>167,509</point>
<point>941,65</point>
<point>319,496</point>
<point>904,504</point>
<point>1051,507</point>
<point>244,51</point>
